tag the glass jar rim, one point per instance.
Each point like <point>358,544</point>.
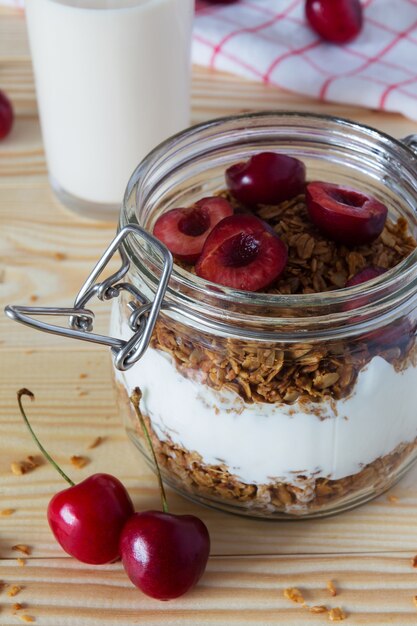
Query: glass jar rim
<point>398,280</point>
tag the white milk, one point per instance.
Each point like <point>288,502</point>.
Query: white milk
<point>112,81</point>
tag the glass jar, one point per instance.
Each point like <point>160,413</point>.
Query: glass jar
<point>275,405</point>
<point>267,405</point>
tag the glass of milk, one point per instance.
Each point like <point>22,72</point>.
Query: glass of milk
<point>113,81</point>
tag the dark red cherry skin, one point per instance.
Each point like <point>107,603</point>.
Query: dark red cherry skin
<point>6,115</point>
<point>242,252</point>
<point>163,554</point>
<point>87,519</point>
<point>345,215</point>
<point>364,275</point>
<point>398,333</point>
<point>337,21</point>
<point>266,178</point>
<point>185,230</point>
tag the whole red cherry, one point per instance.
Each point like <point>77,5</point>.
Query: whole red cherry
<point>266,178</point>
<point>6,115</point>
<point>164,555</point>
<point>86,519</point>
<point>337,21</point>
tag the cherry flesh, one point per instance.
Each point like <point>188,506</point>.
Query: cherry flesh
<point>185,230</point>
<point>242,252</point>
<point>266,178</point>
<point>87,519</point>
<point>164,555</point>
<point>337,21</point>
<point>345,215</point>
<point>6,115</point>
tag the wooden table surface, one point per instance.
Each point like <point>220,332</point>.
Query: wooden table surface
<point>45,253</point>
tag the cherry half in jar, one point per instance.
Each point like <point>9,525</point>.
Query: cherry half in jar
<point>242,252</point>
<point>345,215</point>
<point>266,178</point>
<point>185,230</point>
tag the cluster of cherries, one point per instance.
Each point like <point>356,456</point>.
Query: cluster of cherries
<point>241,251</point>
<point>337,21</point>
<point>94,521</point>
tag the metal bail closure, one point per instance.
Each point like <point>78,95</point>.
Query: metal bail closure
<point>80,319</point>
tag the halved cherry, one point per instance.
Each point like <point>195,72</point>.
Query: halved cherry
<point>364,275</point>
<point>345,215</point>
<point>398,333</point>
<point>184,231</point>
<point>266,178</point>
<point>242,252</point>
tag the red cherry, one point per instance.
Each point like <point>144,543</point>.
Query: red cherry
<point>164,555</point>
<point>184,231</point>
<point>345,215</point>
<point>266,178</point>
<point>397,333</point>
<point>337,21</point>
<point>242,252</point>
<point>87,519</point>
<point>363,276</point>
<point>6,115</point>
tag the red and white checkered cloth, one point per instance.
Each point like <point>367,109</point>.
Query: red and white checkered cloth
<point>270,41</point>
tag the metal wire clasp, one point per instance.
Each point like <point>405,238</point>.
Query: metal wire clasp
<point>80,319</point>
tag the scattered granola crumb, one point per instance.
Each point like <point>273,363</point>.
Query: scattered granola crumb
<point>82,394</point>
<point>414,561</point>
<point>415,601</point>
<point>21,547</point>
<point>60,256</point>
<point>14,590</point>
<point>320,608</point>
<point>83,375</point>
<point>97,441</point>
<point>21,561</point>
<point>23,467</point>
<point>34,297</point>
<point>294,594</point>
<point>393,499</point>
<point>26,618</point>
<point>336,615</point>
<point>79,461</point>
<point>17,468</point>
<point>7,512</point>
<point>331,588</point>
<point>17,606</point>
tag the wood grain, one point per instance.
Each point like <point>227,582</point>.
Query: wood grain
<point>375,590</point>
<point>45,254</point>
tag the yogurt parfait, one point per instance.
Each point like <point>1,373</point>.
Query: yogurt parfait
<point>281,376</point>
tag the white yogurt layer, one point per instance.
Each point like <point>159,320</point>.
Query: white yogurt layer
<point>263,442</point>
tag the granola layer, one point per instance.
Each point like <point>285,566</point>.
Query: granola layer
<point>302,495</point>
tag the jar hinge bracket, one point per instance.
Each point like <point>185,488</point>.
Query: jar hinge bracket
<point>80,319</point>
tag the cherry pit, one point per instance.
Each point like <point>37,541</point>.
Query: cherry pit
<point>94,521</point>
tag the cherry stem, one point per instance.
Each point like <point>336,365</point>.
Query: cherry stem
<point>135,399</point>
<point>26,392</point>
